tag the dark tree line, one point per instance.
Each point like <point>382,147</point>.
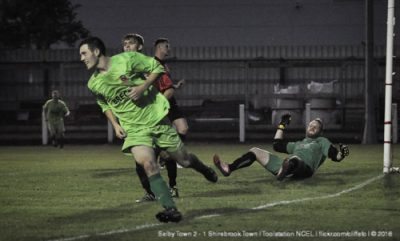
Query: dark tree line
<point>38,24</point>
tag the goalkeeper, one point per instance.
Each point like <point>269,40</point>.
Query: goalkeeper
<point>305,156</point>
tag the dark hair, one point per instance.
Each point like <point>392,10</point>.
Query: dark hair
<point>137,37</point>
<point>94,43</point>
<point>161,40</point>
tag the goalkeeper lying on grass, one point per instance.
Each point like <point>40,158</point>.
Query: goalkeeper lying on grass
<point>305,156</point>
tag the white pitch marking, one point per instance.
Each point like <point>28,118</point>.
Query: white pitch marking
<point>140,227</point>
<point>268,205</point>
<point>320,197</point>
<point>208,216</point>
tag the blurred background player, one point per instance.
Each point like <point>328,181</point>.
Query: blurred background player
<point>135,42</point>
<point>137,112</point>
<point>306,155</point>
<point>54,111</point>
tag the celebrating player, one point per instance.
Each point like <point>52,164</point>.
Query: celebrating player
<point>305,156</point>
<point>140,109</point>
<point>54,111</point>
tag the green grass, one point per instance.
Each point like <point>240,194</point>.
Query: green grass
<point>88,193</point>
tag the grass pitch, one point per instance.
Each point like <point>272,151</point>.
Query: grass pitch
<point>88,193</point>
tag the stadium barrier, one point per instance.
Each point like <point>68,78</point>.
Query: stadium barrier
<point>241,120</point>
<point>243,123</point>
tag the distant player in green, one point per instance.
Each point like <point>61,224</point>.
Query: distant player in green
<point>54,111</point>
<point>138,112</point>
<point>305,156</point>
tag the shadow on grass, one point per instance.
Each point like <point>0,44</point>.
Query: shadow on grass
<point>95,215</point>
<point>229,192</point>
<point>340,177</point>
<point>90,220</point>
<point>147,233</point>
<point>319,178</point>
<point>104,173</point>
<point>391,181</point>
<point>194,214</point>
<point>208,213</point>
<point>340,172</point>
<point>256,181</point>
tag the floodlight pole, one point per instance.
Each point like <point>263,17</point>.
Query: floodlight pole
<point>387,152</point>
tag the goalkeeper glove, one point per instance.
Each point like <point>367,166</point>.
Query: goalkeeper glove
<point>343,152</point>
<point>285,120</point>
<point>344,149</point>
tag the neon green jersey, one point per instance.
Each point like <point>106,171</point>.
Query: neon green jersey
<point>126,70</point>
<point>313,151</point>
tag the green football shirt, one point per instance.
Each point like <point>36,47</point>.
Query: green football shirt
<point>313,151</point>
<point>127,70</point>
<point>55,110</point>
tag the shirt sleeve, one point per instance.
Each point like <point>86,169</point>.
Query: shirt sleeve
<point>280,145</point>
<point>46,104</point>
<point>103,105</point>
<point>100,100</point>
<point>141,63</point>
<point>65,107</point>
<point>290,147</point>
<point>164,82</point>
<point>325,143</point>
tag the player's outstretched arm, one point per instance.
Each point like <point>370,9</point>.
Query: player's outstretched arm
<point>285,121</point>
<point>279,144</point>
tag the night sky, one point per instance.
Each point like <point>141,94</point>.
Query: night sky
<point>234,22</point>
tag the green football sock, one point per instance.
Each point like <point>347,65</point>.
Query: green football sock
<point>161,191</point>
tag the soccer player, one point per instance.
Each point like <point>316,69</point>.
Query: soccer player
<point>132,42</point>
<point>164,84</point>
<point>54,111</point>
<point>305,156</point>
<point>141,112</point>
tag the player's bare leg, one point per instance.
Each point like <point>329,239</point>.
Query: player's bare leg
<point>181,126</point>
<point>254,154</point>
